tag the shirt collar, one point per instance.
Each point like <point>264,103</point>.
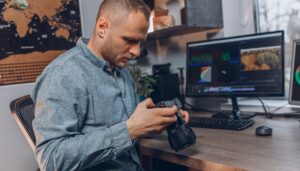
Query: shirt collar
<point>82,44</point>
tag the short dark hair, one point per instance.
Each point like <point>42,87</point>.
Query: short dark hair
<point>112,7</point>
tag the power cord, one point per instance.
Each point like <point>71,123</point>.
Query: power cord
<point>278,108</point>
<point>268,115</point>
<point>295,114</point>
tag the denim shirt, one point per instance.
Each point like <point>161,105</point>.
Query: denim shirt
<point>80,111</point>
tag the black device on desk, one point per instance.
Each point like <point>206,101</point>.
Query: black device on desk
<point>242,66</point>
<point>263,131</point>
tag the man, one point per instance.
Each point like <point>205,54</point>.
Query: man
<point>86,115</point>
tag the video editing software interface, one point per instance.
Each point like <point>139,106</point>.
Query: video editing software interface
<point>295,95</point>
<point>250,65</point>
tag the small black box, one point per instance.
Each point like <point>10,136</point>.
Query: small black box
<point>166,87</point>
<point>161,69</point>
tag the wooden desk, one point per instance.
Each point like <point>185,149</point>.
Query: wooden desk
<point>225,150</point>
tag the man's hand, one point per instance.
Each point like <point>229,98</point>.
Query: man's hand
<point>185,115</point>
<point>147,120</point>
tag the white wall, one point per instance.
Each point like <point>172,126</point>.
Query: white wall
<point>88,14</point>
<point>238,17</point>
<point>15,152</point>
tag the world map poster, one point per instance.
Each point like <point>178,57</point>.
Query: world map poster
<point>32,34</point>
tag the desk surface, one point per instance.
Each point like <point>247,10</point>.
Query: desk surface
<point>235,150</point>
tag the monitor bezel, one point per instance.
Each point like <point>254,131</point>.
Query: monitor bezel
<point>290,100</point>
<point>280,94</point>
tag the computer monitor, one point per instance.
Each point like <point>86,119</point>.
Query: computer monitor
<point>242,66</point>
<point>294,93</point>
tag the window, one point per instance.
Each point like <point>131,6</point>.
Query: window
<point>284,15</point>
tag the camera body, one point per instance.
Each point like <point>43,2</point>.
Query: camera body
<point>180,135</point>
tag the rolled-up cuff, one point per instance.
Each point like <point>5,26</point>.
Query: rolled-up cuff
<point>120,137</point>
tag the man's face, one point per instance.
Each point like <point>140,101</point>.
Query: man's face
<point>122,40</point>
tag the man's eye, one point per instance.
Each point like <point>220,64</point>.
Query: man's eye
<point>131,41</point>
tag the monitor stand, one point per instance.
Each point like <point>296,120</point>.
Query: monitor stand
<point>235,113</point>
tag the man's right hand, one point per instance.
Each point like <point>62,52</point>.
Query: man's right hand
<point>147,120</point>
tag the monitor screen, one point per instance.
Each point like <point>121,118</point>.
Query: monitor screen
<point>249,65</point>
<point>294,95</point>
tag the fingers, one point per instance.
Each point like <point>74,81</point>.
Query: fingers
<point>148,103</point>
<point>164,123</point>
<point>166,111</point>
<point>157,130</point>
<point>185,115</point>
<point>168,120</point>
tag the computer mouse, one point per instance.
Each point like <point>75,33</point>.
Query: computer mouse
<point>263,131</point>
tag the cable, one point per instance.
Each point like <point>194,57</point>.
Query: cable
<point>278,108</point>
<point>295,114</point>
<point>268,115</point>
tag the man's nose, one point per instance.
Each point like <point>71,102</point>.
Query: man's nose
<point>135,50</point>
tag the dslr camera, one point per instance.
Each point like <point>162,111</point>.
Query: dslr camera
<point>180,135</point>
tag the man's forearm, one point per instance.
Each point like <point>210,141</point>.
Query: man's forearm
<point>82,151</point>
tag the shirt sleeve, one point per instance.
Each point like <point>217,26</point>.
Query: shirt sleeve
<point>61,106</point>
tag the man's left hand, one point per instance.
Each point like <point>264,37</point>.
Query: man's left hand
<point>185,115</point>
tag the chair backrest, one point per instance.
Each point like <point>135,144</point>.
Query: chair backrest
<point>23,112</point>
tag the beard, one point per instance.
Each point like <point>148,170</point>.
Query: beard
<point>118,61</point>
<point>114,58</point>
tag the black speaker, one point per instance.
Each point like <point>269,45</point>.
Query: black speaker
<point>166,87</point>
<point>161,69</point>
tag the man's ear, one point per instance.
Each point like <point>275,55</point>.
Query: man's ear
<point>101,26</point>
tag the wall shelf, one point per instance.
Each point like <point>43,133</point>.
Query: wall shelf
<point>200,15</point>
<point>176,31</point>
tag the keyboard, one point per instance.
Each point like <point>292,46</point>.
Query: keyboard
<point>218,123</point>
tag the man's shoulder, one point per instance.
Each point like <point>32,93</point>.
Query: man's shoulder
<point>69,63</point>
<point>68,56</point>
<point>72,59</point>
<point>65,70</point>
